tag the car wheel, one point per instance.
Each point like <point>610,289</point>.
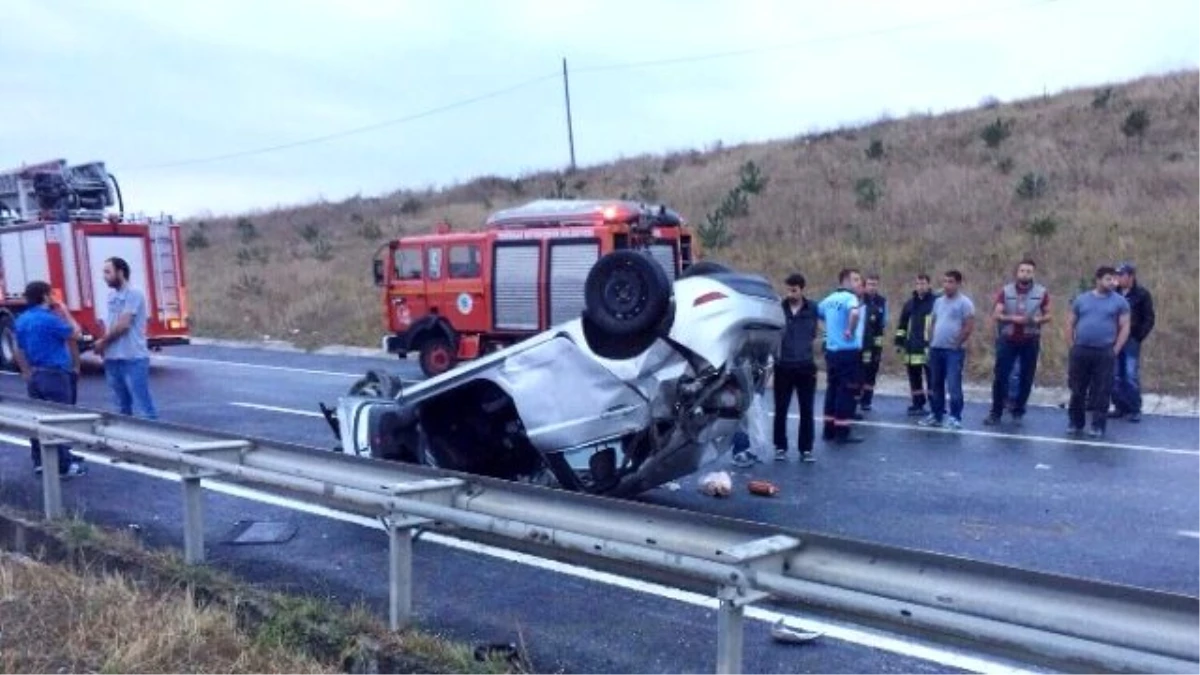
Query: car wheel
<point>627,293</point>
<point>704,268</point>
<point>437,355</point>
<point>376,384</point>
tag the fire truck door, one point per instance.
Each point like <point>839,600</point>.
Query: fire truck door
<point>103,247</point>
<point>435,279</point>
<point>465,304</point>
<point>408,287</point>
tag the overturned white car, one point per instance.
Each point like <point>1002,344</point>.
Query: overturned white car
<point>646,386</point>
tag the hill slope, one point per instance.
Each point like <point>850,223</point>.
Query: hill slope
<point>1067,178</point>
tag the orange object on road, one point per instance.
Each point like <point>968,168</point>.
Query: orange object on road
<point>762,488</point>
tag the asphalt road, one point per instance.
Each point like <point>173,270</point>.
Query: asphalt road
<point>1125,510</point>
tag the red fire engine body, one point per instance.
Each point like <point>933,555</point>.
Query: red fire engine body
<point>452,296</point>
<point>55,226</point>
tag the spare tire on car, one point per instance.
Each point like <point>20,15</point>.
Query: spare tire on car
<point>627,297</point>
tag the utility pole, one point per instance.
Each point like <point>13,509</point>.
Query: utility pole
<point>570,128</point>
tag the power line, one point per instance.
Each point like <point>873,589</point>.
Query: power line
<point>587,69</point>
<point>802,43</point>
<point>350,132</point>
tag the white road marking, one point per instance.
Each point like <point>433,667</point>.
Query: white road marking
<point>271,408</point>
<point>847,633</point>
<point>888,425</point>
<point>240,364</point>
<point>1189,533</point>
<point>1021,437</point>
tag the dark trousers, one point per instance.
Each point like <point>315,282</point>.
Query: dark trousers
<point>918,380</point>
<point>870,372</point>
<point>841,380</point>
<point>801,379</point>
<point>1127,385</point>
<point>58,386</point>
<point>1090,376</point>
<point>1009,354</point>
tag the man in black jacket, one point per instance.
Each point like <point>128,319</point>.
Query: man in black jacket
<point>876,316</point>
<point>911,342</point>
<point>796,369</point>
<point>1127,386</point>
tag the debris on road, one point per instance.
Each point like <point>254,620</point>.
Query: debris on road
<point>781,632</point>
<point>673,486</point>
<point>763,488</point>
<point>717,484</point>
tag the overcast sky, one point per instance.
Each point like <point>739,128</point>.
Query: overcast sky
<point>147,85</point>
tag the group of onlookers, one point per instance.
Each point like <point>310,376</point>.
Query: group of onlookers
<point>1105,327</point>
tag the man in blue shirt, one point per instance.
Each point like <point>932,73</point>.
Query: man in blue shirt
<point>48,356</point>
<point>123,346</point>
<point>841,312</point>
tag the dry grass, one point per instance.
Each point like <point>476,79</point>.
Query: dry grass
<point>56,620</point>
<point>70,610</point>
<point>948,201</point>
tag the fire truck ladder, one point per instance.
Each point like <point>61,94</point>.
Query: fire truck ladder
<point>55,191</point>
<point>1055,621</point>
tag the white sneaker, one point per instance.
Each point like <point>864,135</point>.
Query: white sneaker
<point>954,423</point>
<point>929,421</point>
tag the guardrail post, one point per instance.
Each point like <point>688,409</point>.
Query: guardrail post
<point>193,520</point>
<point>51,483</point>
<point>400,577</point>
<point>730,617</point>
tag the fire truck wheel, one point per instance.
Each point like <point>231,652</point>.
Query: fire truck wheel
<point>437,355</point>
<point>704,268</point>
<point>627,293</point>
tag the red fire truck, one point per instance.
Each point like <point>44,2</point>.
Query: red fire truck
<point>452,296</point>
<point>56,225</point>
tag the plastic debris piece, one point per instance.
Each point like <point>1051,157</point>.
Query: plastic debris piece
<point>717,484</point>
<point>781,632</point>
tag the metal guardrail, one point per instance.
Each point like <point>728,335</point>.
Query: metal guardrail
<point>1054,621</point>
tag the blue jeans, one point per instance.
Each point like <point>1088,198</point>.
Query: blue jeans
<point>129,381</point>
<point>945,373</point>
<point>1127,385</point>
<point>56,386</point>
<point>1010,356</point>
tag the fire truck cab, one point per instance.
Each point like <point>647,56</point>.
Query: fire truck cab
<point>452,296</point>
<point>56,225</point>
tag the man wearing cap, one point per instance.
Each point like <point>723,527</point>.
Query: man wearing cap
<point>48,358</point>
<point>1127,386</point>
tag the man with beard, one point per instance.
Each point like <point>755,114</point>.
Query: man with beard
<point>1021,308</point>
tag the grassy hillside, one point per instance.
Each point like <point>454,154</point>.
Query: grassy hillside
<point>1077,179</point>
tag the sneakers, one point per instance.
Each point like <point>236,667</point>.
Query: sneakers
<point>780,455</point>
<point>1135,417</point>
<point>807,457</point>
<point>745,459</point>
<point>76,467</point>
<point>991,420</point>
<point>1074,432</point>
<point>953,423</point>
<point>929,420</point>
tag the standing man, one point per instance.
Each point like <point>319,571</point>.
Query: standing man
<point>123,346</point>
<point>950,326</point>
<point>1021,308</point>
<point>1127,385</point>
<point>1097,329</point>
<point>875,311</point>
<point>47,355</point>
<point>795,369</point>
<point>912,343</point>
<point>842,315</point>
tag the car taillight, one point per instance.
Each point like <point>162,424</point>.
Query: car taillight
<point>709,297</point>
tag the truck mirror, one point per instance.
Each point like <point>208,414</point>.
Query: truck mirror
<point>378,270</point>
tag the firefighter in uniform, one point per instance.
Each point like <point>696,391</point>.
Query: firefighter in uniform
<point>912,342</point>
<point>875,310</point>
